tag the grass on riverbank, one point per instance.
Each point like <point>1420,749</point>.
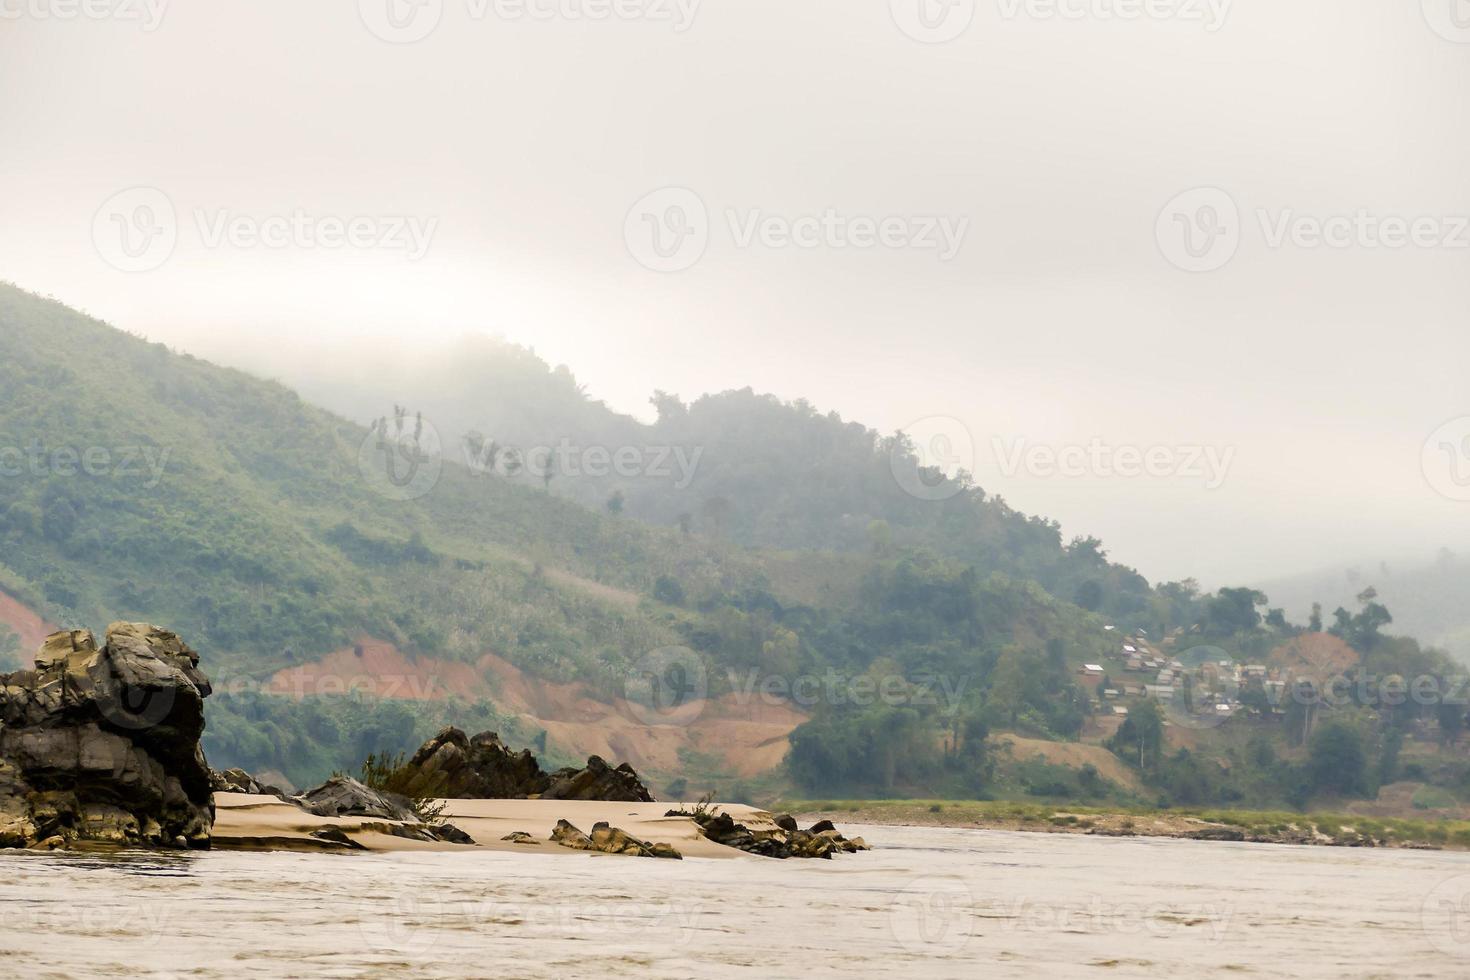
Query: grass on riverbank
<point>1143,821</point>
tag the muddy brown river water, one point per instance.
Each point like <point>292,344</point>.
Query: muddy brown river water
<point>928,902</point>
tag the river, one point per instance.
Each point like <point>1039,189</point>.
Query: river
<point>929,902</point>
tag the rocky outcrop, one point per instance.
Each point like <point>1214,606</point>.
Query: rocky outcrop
<point>102,743</point>
<point>343,796</point>
<point>610,840</point>
<point>240,781</point>
<point>454,766</point>
<point>784,841</point>
<point>598,781</point>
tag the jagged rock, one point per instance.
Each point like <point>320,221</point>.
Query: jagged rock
<point>609,840</point>
<point>598,781</point>
<point>102,743</point>
<point>335,835</point>
<point>568,836</point>
<point>343,796</point>
<point>240,781</point>
<point>519,837</point>
<point>786,841</point>
<point>454,766</point>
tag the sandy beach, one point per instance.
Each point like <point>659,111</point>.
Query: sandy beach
<point>249,822</point>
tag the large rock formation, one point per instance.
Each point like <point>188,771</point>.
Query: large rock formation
<point>453,766</point>
<point>597,781</point>
<point>102,744</point>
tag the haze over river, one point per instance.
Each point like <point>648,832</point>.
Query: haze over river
<point>927,902</point>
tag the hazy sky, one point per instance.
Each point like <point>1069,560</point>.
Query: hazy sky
<point>501,167</point>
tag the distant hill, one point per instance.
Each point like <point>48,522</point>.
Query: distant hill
<point>143,484</point>
<point>739,465</point>
<point>1427,597</point>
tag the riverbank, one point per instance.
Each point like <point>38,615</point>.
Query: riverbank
<point>1256,826</point>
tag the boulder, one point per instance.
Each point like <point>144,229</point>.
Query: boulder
<point>786,841</point>
<point>102,743</point>
<point>343,796</point>
<point>568,836</point>
<point>598,781</point>
<point>608,839</point>
<point>454,766</point>
<point>240,781</point>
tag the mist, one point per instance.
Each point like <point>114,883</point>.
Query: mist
<point>1192,281</point>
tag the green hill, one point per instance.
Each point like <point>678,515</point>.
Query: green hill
<point>140,483</point>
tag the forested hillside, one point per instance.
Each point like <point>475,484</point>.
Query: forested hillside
<point>140,483</point>
<point>785,589</point>
<point>738,465</point>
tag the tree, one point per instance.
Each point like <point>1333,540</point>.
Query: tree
<point>1337,759</point>
<point>1314,625</point>
<point>1141,736</point>
<point>615,503</point>
<point>1234,611</point>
